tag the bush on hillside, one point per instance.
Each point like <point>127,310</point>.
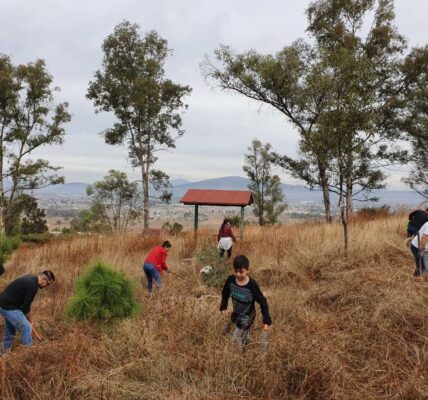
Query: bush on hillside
<point>369,213</point>
<point>103,294</point>
<point>37,237</point>
<point>7,245</point>
<point>219,270</point>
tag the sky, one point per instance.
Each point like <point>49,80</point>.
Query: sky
<point>219,126</point>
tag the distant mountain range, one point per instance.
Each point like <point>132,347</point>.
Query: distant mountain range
<point>293,194</point>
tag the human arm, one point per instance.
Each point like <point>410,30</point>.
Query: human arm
<point>423,242</point>
<point>225,294</point>
<point>163,262</point>
<point>264,308</point>
<point>30,293</point>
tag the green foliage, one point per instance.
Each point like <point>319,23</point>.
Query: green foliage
<point>172,229</point>
<point>235,220</point>
<point>114,201</point>
<point>340,90</point>
<point>146,104</point>
<point>33,221</point>
<point>29,120</point>
<point>266,187</point>
<point>102,294</point>
<point>37,237</point>
<point>7,245</point>
<point>415,122</point>
<point>89,221</point>
<point>220,270</point>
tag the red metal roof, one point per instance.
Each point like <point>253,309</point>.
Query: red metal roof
<point>218,197</point>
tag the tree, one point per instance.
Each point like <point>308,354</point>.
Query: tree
<point>361,127</point>
<point>25,217</point>
<point>103,293</point>
<point>292,82</point>
<point>114,201</point>
<point>29,120</point>
<point>146,105</point>
<point>89,221</point>
<point>266,187</point>
<point>341,93</point>
<point>415,121</point>
<point>34,218</point>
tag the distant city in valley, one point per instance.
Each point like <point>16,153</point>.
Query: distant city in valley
<point>64,202</point>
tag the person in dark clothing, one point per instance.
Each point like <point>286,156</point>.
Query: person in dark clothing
<point>15,305</point>
<point>416,219</point>
<point>245,292</point>
<point>225,238</point>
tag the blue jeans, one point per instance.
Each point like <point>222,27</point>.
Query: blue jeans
<point>152,274</point>
<point>420,260</point>
<point>15,320</point>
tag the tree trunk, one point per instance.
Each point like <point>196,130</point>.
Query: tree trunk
<point>2,222</point>
<point>349,186</point>
<point>325,191</point>
<point>145,199</point>
<point>344,220</point>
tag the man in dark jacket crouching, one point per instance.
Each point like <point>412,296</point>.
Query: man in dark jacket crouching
<point>15,304</point>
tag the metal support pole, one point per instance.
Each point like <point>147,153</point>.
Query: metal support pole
<point>241,224</point>
<point>195,226</point>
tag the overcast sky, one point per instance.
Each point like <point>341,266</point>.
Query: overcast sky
<point>219,125</point>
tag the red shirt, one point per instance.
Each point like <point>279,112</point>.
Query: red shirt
<point>226,232</point>
<point>157,257</point>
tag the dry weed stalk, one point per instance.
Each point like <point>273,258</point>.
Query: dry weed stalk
<point>354,328</point>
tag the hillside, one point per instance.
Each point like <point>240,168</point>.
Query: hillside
<point>293,194</point>
<point>343,328</point>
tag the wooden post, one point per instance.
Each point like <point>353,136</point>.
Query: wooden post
<point>241,224</point>
<point>195,225</point>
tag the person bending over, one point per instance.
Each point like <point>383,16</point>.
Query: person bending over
<point>15,305</point>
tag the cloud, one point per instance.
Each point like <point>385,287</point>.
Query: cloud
<point>219,126</point>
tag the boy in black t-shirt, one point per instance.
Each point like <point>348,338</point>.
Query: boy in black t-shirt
<point>244,292</point>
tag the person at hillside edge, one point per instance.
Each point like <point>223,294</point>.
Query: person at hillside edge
<point>15,305</point>
<point>245,292</point>
<point>416,219</point>
<point>155,264</point>
<point>419,247</point>
<point>225,238</point>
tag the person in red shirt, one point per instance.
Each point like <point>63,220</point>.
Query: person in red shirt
<point>155,264</point>
<point>225,238</point>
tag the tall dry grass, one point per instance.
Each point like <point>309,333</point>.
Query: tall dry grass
<point>343,328</point>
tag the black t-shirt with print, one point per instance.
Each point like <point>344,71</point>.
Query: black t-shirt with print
<point>243,299</point>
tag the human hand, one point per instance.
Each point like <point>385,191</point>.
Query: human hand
<point>225,313</point>
<point>266,327</point>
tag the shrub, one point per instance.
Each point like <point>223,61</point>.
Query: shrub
<point>7,245</point>
<point>103,294</point>
<point>219,271</point>
<point>370,213</point>
<point>37,237</point>
<point>173,229</point>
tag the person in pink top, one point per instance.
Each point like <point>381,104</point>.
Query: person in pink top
<point>155,264</point>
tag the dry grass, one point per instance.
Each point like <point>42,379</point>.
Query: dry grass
<point>353,328</point>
